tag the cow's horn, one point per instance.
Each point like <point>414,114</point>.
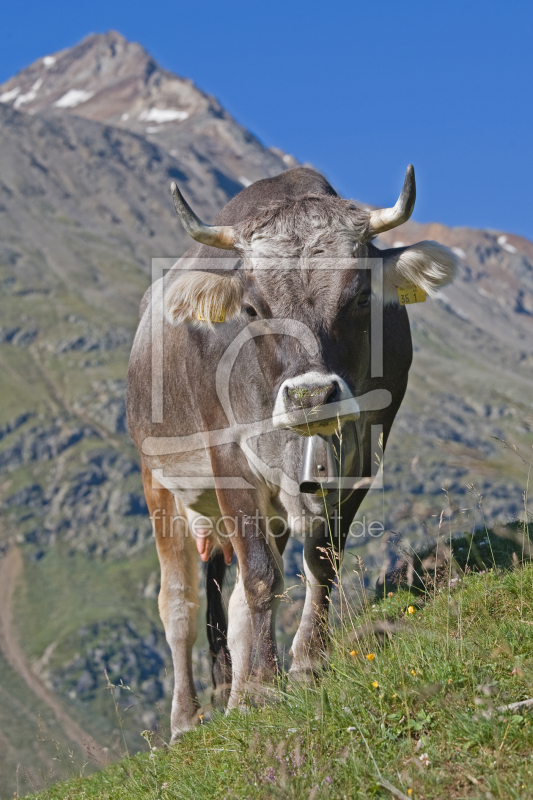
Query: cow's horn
<point>214,235</point>
<point>383,219</point>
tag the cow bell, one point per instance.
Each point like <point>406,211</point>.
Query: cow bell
<point>319,468</point>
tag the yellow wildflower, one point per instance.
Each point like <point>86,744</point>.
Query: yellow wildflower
<point>353,652</point>
<point>371,656</point>
<point>411,609</point>
<point>375,684</point>
<point>413,672</point>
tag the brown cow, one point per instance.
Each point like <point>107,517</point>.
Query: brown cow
<point>245,357</point>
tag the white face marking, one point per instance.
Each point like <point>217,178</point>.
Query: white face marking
<point>322,419</point>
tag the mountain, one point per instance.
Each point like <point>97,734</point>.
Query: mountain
<point>115,82</point>
<point>470,383</point>
<point>90,139</point>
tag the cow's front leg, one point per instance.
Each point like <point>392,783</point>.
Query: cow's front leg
<point>178,597</point>
<point>255,599</point>
<point>239,641</point>
<point>320,566</point>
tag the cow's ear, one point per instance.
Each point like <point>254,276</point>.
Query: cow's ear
<point>427,265</point>
<point>203,298</point>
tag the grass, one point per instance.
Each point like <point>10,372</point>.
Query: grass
<point>416,712</point>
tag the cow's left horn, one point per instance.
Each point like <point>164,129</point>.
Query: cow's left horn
<point>383,219</point>
<point>214,235</point>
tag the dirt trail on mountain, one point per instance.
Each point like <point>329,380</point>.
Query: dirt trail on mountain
<point>10,569</point>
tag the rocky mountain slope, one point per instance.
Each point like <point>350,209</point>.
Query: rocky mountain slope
<point>115,82</point>
<point>471,381</point>
<point>90,139</point>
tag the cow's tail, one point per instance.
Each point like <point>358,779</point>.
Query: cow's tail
<point>217,628</point>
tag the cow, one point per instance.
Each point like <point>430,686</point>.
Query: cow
<point>259,344</point>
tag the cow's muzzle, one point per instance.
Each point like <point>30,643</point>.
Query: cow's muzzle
<point>313,403</point>
<point>302,396</point>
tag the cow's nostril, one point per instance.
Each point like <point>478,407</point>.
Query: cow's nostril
<point>331,393</point>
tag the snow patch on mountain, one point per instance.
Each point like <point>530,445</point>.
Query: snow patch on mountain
<point>160,115</point>
<point>29,96</point>
<point>73,98</point>
<point>502,241</point>
<point>7,97</point>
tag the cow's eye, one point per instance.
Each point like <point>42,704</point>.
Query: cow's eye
<point>364,300</point>
<point>250,311</point>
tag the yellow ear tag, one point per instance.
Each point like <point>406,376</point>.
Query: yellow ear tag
<point>411,294</point>
<point>220,318</point>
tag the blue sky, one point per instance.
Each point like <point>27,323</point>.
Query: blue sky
<point>358,89</point>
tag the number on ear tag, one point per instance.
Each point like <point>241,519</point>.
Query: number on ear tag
<point>411,294</point>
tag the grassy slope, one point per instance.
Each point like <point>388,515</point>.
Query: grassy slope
<point>422,713</point>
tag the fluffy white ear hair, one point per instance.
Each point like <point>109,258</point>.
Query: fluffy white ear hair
<point>202,298</point>
<point>428,265</point>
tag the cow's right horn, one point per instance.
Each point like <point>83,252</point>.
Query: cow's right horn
<point>383,219</point>
<point>214,235</point>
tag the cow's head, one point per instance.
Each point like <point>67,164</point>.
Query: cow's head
<point>296,266</point>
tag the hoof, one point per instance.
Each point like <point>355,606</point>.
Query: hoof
<point>184,726</point>
<point>178,735</point>
<point>303,675</point>
<point>252,695</point>
<point>220,696</point>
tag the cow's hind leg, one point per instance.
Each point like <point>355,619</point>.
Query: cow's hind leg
<point>217,628</point>
<point>178,597</point>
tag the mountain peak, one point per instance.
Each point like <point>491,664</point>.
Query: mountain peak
<point>109,79</point>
